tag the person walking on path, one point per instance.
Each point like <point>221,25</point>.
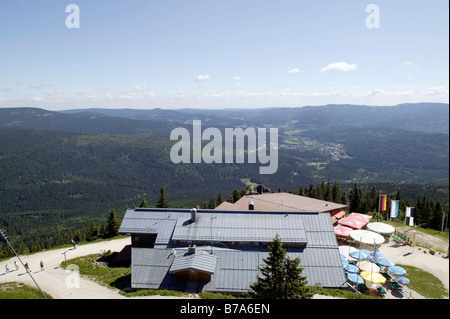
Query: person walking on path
<point>42,265</point>
<point>16,264</point>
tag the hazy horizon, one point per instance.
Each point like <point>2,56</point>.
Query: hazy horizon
<point>222,54</point>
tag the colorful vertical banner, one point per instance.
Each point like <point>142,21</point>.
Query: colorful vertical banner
<point>409,216</point>
<point>383,203</point>
<point>394,208</point>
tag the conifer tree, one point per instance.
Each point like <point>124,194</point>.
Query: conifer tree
<point>163,202</point>
<point>356,199</point>
<point>112,225</point>
<point>219,199</point>
<point>93,233</point>
<point>294,283</point>
<point>143,203</point>
<point>336,193</point>
<point>436,216</point>
<point>269,285</point>
<point>280,277</point>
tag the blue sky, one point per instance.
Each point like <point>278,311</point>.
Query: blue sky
<point>216,54</point>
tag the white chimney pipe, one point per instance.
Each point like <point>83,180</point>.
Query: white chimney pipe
<point>193,215</point>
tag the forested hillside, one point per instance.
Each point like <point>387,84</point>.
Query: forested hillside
<point>61,171</point>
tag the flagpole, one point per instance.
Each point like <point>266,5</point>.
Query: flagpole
<point>379,205</point>
<point>371,268</point>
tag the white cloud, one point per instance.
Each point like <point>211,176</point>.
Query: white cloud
<point>293,70</point>
<point>35,86</point>
<point>376,92</point>
<point>237,78</point>
<point>54,93</point>
<point>339,66</point>
<point>407,63</point>
<point>202,77</point>
<point>435,91</point>
<point>139,88</point>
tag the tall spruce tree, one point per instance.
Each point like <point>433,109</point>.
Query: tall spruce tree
<point>356,199</point>
<point>294,283</point>
<point>112,225</point>
<point>93,233</point>
<point>219,199</point>
<point>163,202</point>
<point>336,193</point>
<point>280,277</point>
<point>143,203</point>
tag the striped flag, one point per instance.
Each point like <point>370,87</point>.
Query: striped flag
<point>383,203</point>
<point>394,208</point>
<point>409,216</point>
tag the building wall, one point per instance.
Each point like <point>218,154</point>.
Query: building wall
<point>143,240</point>
<point>192,275</point>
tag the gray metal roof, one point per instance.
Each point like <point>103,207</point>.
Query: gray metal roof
<point>310,236</point>
<point>243,227</point>
<point>136,222</point>
<point>223,226</point>
<point>199,260</point>
<point>235,270</point>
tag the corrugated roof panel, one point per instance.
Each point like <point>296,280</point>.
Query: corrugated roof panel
<point>236,269</point>
<point>204,262</point>
<point>242,228</point>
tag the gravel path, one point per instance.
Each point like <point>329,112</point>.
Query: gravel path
<point>58,282</point>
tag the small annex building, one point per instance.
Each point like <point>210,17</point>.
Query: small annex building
<point>220,250</point>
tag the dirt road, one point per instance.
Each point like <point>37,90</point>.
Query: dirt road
<point>407,255</point>
<point>58,282</point>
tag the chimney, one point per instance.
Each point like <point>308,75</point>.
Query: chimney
<point>193,215</point>
<point>191,249</point>
<point>251,205</point>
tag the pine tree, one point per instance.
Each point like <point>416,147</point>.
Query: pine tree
<point>112,225</point>
<point>281,277</point>
<point>219,199</point>
<point>143,203</point>
<point>163,202</point>
<point>212,203</point>
<point>436,218</point>
<point>356,199</point>
<point>372,200</point>
<point>77,236</point>
<point>336,193</point>
<point>93,233</point>
<point>269,285</point>
<point>301,192</point>
<point>294,283</point>
<point>328,195</point>
<point>235,196</point>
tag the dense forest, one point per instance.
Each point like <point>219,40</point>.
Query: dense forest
<point>55,230</point>
<point>61,174</point>
<point>428,214</point>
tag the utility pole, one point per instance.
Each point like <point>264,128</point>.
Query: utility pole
<point>5,239</point>
<point>443,218</point>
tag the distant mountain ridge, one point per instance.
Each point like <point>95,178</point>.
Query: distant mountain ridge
<point>403,143</point>
<point>422,117</point>
<point>82,122</point>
